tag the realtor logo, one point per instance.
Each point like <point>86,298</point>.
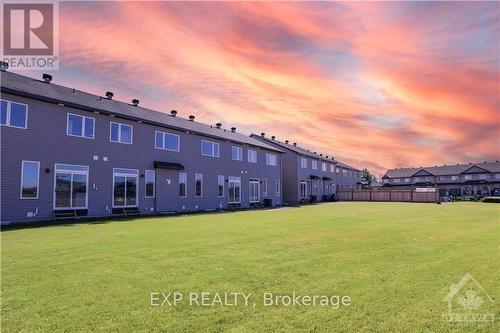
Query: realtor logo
<point>29,39</point>
<point>466,300</point>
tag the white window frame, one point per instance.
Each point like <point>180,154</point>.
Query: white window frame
<point>234,180</point>
<point>8,115</point>
<point>323,166</point>
<point>146,181</point>
<point>185,185</point>
<point>120,133</point>
<point>87,172</point>
<point>239,153</point>
<point>303,183</point>
<point>163,134</point>
<point>127,173</point>
<point>37,183</point>
<point>332,168</point>
<point>83,126</point>
<point>201,182</point>
<point>278,187</point>
<point>250,182</point>
<point>303,163</point>
<point>264,193</point>
<point>314,164</point>
<point>219,183</point>
<point>271,157</point>
<point>250,153</point>
<point>213,143</point>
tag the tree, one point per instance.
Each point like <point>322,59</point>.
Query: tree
<point>367,176</point>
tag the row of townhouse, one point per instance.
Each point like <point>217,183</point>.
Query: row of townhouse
<point>451,180</point>
<point>65,152</point>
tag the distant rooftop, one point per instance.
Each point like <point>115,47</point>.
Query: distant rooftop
<point>453,169</point>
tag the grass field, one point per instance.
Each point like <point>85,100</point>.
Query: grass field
<point>396,261</point>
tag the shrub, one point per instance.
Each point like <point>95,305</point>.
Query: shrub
<point>492,199</point>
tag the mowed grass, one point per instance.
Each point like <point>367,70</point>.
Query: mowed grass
<point>395,260</point>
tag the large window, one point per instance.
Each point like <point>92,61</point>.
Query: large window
<point>323,166</point>
<point>303,162</point>
<point>81,126</point>
<point>182,184</point>
<point>120,133</point>
<point>30,176</point>
<point>314,164</point>
<point>125,187</point>
<point>278,187</point>
<point>234,190</point>
<point>209,148</point>
<point>254,188</point>
<point>220,185</point>
<point>303,189</point>
<point>198,185</point>
<point>167,141</point>
<point>237,153</point>
<point>149,180</point>
<point>332,168</point>
<point>271,159</point>
<point>13,114</point>
<point>264,187</point>
<point>252,156</point>
<point>71,186</point>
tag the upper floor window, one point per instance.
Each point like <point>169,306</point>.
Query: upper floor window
<point>314,164</point>
<point>271,159</point>
<point>30,173</point>
<point>454,177</point>
<point>80,126</point>
<point>120,133</point>
<point>483,176</point>
<point>344,172</point>
<point>13,114</point>
<point>338,170</point>
<point>303,163</point>
<point>323,166</point>
<point>332,168</point>
<point>497,175</point>
<point>407,180</point>
<point>397,180</point>
<point>252,156</point>
<point>167,141</point>
<point>237,153</point>
<point>149,179</point>
<point>468,177</point>
<point>385,180</point>
<point>209,148</point>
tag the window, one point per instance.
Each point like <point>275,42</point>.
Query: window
<point>303,189</point>
<point>468,177</point>
<point>454,177</point>
<point>125,187</point>
<point>497,175</point>
<point>271,159</point>
<point>385,180</point>
<point>278,187</point>
<point>303,163</point>
<point>237,153</point>
<point>220,185</point>
<point>338,170</point>
<point>254,189</point>
<point>252,156</point>
<point>81,126</point>
<point>30,177</point>
<point>70,186</point>
<point>332,168</point>
<point>397,180</point>
<point>483,176</point>
<point>149,179</point>
<point>182,184</point>
<point>344,172</point>
<point>167,141</point>
<point>13,114</point>
<point>234,190</point>
<point>407,180</point>
<point>120,133</point>
<point>314,164</point>
<point>209,148</point>
<point>198,185</point>
<point>323,166</point>
<point>264,187</point>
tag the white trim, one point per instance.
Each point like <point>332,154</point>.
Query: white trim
<point>145,184</point>
<point>264,194</point>
<point>254,181</point>
<point>213,148</point>
<point>235,180</point>
<point>223,185</point>
<point>240,153</point>
<point>163,135</point>
<point>71,172</point>
<point>271,158</point>
<point>278,187</point>
<point>83,126</point>
<point>133,173</point>
<point>302,182</point>
<point>8,115</point>
<point>201,182</point>
<point>37,183</point>
<point>120,133</point>
<point>185,185</point>
<point>250,152</point>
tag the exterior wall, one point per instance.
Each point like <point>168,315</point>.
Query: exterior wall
<point>347,181</point>
<point>290,189</point>
<point>45,140</point>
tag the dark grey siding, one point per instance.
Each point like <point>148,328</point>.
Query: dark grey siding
<point>45,140</point>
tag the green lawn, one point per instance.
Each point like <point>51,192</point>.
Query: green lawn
<point>395,260</point>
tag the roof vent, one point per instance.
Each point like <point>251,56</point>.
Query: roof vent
<point>320,154</point>
<point>109,95</point>
<point>47,78</point>
<point>262,134</point>
<point>286,141</point>
<point>135,102</point>
<point>173,113</point>
<point>233,129</point>
<point>4,66</point>
<point>315,153</point>
<point>295,144</point>
<point>218,125</point>
<point>273,138</point>
<point>191,118</point>
<point>326,156</point>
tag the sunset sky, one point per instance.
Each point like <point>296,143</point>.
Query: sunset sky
<point>377,85</point>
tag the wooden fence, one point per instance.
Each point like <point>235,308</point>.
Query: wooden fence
<point>388,195</point>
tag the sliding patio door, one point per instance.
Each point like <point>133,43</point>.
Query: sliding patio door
<point>70,186</point>
<point>125,187</point>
